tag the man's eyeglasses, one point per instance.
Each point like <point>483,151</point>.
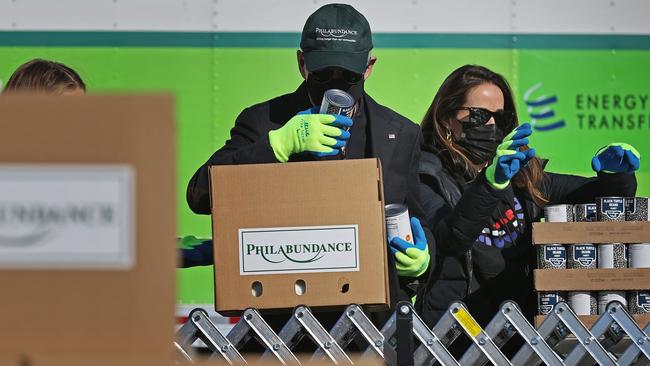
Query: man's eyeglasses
<point>480,116</point>
<point>329,73</point>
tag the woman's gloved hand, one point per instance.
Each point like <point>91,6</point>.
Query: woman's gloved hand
<point>411,260</point>
<point>509,159</point>
<point>319,134</point>
<point>616,157</point>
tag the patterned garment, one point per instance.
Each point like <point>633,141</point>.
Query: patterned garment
<point>506,229</point>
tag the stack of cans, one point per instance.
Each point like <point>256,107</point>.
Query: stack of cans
<point>636,209</point>
<point>583,256</point>
<point>552,256</point>
<point>612,255</point>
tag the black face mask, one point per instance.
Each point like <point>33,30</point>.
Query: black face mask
<point>480,142</point>
<point>316,89</point>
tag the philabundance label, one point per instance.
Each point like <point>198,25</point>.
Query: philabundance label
<point>67,216</point>
<point>299,249</point>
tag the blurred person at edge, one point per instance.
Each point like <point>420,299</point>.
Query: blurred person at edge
<point>272,132</point>
<point>43,76</point>
<point>482,187</point>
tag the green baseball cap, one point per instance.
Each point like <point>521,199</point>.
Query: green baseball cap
<point>336,35</point>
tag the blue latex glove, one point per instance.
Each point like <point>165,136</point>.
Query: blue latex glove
<point>509,159</point>
<point>411,260</point>
<point>195,252</point>
<point>616,157</point>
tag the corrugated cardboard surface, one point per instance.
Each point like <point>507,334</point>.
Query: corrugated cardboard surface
<point>85,314</point>
<point>299,194</point>
<point>589,320</point>
<point>591,232</point>
<point>592,279</point>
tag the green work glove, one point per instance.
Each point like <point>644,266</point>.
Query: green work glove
<point>509,159</point>
<point>411,260</point>
<point>319,134</point>
<point>616,157</point>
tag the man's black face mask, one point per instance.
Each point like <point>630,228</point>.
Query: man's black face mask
<point>320,81</point>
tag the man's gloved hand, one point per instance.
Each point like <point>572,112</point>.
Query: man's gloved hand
<point>319,134</point>
<point>508,159</point>
<point>616,157</point>
<point>411,260</point>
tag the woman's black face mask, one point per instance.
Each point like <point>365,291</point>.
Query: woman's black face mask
<point>320,81</point>
<point>480,142</point>
<point>479,139</point>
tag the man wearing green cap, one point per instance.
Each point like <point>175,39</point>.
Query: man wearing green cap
<point>335,54</point>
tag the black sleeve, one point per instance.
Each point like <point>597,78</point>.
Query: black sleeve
<point>572,189</point>
<point>456,229</point>
<point>248,144</point>
<point>413,199</point>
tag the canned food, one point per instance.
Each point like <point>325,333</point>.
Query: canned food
<point>585,212</point>
<point>639,302</point>
<point>612,255</point>
<point>605,297</point>
<point>636,209</point>
<point>546,301</point>
<point>610,208</point>
<point>639,255</point>
<point>582,256</point>
<point>583,302</point>
<point>551,256</point>
<point>336,101</point>
<point>558,213</point>
<point>398,223</point>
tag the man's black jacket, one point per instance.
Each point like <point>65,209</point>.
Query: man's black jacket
<point>389,136</point>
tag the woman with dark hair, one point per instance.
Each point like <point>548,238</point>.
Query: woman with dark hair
<point>482,187</point>
<point>43,76</point>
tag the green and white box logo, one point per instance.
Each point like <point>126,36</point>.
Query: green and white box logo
<point>66,217</point>
<point>299,249</point>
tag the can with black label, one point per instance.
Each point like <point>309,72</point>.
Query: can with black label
<point>398,223</point>
<point>638,302</point>
<point>585,212</point>
<point>551,256</point>
<point>582,256</point>
<point>547,300</point>
<point>583,302</point>
<point>610,208</point>
<point>636,209</point>
<point>336,101</point>
<point>605,297</point>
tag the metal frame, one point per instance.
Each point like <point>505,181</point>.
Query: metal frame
<point>406,340</point>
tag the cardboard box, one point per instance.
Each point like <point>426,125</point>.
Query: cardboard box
<point>309,233</point>
<point>61,312</point>
<point>591,232</point>
<point>596,233</point>
<point>589,320</point>
<point>592,279</point>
